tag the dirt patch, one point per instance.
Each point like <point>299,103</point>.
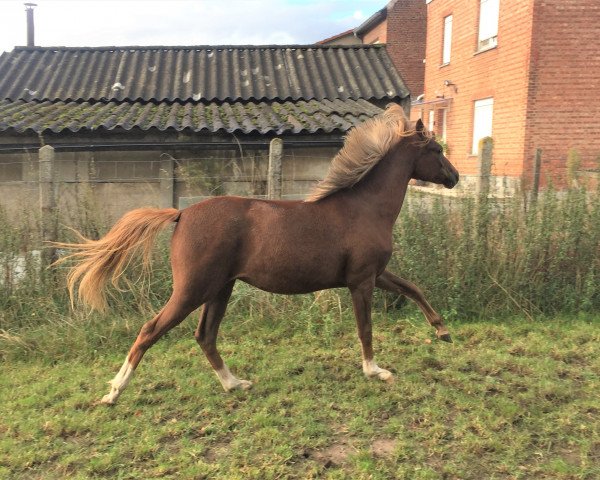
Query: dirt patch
<point>217,450</point>
<point>383,447</point>
<point>334,455</point>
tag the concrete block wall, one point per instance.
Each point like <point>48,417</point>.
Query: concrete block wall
<point>114,182</point>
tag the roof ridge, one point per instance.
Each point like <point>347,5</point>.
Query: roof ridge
<point>202,72</point>
<point>201,47</point>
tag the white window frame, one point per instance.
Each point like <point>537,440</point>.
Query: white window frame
<point>447,40</point>
<point>444,123</point>
<point>483,114</point>
<point>489,11</point>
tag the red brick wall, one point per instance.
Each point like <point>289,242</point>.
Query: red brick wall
<point>564,87</point>
<point>544,76</point>
<point>406,32</point>
<point>377,34</point>
<point>501,73</point>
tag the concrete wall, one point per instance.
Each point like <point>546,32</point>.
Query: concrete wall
<point>112,182</point>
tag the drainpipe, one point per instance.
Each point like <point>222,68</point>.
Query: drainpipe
<point>30,27</point>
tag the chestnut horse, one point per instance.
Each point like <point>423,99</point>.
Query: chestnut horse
<point>341,236</point>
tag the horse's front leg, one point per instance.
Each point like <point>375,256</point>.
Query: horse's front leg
<point>390,282</point>
<point>362,296</point>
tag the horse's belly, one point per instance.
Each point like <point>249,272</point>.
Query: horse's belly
<point>291,278</point>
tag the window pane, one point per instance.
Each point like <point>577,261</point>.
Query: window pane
<point>488,19</point>
<point>447,39</point>
<point>482,121</point>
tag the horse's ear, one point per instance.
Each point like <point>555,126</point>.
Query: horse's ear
<point>419,127</point>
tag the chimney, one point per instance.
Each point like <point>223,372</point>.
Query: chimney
<point>30,29</point>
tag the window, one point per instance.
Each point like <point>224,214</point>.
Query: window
<point>488,24</point>
<point>482,121</point>
<point>431,123</point>
<point>447,45</point>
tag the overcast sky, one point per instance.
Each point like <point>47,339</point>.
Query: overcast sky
<point>173,22</point>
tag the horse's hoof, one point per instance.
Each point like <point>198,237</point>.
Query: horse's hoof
<point>245,385</point>
<point>386,376</point>
<point>240,385</point>
<point>108,400</point>
<point>446,337</point>
<point>381,374</point>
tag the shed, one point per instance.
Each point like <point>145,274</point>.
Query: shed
<point>135,126</point>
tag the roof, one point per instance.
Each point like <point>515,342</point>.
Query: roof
<point>247,117</point>
<point>210,73</point>
<point>347,33</point>
<point>265,89</point>
<point>371,22</point>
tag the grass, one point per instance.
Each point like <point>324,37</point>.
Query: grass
<point>514,399</point>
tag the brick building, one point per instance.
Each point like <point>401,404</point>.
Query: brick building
<point>524,72</point>
<point>402,26</point>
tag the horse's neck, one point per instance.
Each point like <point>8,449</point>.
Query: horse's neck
<point>383,189</point>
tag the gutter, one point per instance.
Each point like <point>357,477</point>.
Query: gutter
<point>371,22</point>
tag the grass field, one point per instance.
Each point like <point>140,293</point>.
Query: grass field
<point>512,399</point>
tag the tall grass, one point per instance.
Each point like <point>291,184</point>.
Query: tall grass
<point>482,257</point>
<point>473,257</point>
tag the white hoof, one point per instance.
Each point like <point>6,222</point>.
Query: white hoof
<point>385,375</point>
<point>108,399</point>
<point>239,385</point>
<point>371,370</point>
<point>118,384</point>
<point>230,382</point>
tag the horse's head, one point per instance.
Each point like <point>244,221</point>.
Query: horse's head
<point>431,165</point>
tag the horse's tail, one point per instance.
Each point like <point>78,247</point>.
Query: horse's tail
<point>99,261</point>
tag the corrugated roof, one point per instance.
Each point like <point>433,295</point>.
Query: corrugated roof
<point>208,73</point>
<point>246,117</point>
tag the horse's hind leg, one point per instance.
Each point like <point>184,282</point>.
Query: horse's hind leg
<point>390,282</point>
<point>361,301</point>
<point>173,313</point>
<point>206,336</point>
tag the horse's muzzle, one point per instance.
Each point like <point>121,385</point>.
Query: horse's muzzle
<point>451,179</point>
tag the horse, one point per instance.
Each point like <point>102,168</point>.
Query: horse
<point>339,236</point>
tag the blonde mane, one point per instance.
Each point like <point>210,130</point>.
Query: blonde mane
<point>364,146</point>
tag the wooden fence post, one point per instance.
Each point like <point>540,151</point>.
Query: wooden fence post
<point>274,175</point>
<point>486,147</point>
<point>167,181</point>
<point>47,203</point>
